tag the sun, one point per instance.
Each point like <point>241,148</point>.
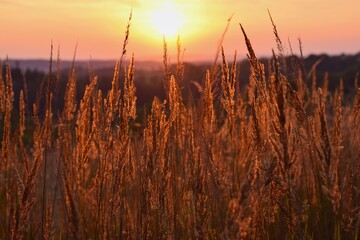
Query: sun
<point>167,19</point>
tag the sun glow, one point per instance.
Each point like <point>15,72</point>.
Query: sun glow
<point>167,19</point>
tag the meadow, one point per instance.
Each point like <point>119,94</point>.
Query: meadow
<point>278,158</point>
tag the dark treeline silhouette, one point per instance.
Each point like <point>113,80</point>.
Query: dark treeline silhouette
<point>149,82</point>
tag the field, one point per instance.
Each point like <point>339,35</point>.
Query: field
<point>278,158</point>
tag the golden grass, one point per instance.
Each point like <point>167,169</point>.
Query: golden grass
<point>275,161</point>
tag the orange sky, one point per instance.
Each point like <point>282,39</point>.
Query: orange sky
<point>28,26</point>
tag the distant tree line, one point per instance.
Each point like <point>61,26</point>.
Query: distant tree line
<point>149,83</point>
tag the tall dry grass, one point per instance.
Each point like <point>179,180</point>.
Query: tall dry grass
<point>275,160</point>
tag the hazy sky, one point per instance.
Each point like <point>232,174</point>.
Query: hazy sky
<point>28,26</point>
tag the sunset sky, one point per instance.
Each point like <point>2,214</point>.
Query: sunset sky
<point>28,26</point>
